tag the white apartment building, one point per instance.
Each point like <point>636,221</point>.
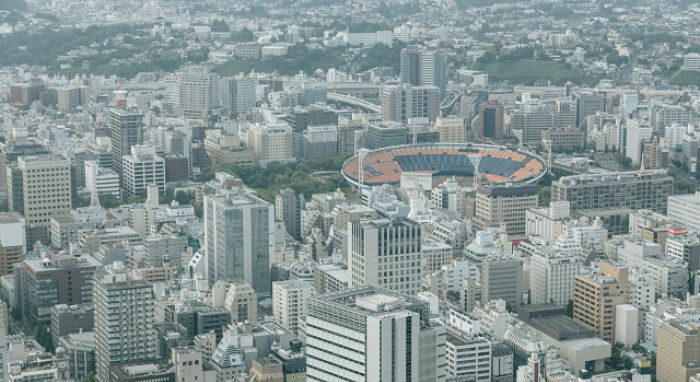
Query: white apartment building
<point>684,210</point>
<point>198,92</point>
<point>141,169</point>
<point>669,276</point>
<point>552,278</point>
<point>101,181</point>
<point>547,223</point>
<point>467,357</point>
<point>289,302</point>
<point>638,132</point>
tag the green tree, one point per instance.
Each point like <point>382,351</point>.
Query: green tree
<point>110,201</point>
<point>243,35</point>
<point>219,26</point>
<point>81,201</point>
<point>570,308</point>
<point>544,195</point>
<point>184,197</point>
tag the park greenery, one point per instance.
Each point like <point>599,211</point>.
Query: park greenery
<point>527,71</point>
<point>684,77</point>
<point>298,176</point>
<point>43,47</point>
<point>299,58</point>
<point>381,56</point>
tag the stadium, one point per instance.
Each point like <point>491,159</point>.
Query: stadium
<point>496,164</point>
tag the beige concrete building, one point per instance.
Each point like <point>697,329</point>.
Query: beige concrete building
<point>271,143</point>
<point>677,354</point>
<point>451,129</point>
<point>595,298</point>
<point>225,149</point>
<point>496,205</point>
<point>46,188</point>
<point>267,369</point>
<point>238,297</point>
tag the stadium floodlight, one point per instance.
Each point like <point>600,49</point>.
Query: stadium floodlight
<point>475,159</point>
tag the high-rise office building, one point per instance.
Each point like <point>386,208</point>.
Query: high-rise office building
<point>289,302</point>
<point>124,320</point>
<point>288,206</point>
<point>237,228</point>
<point>372,334</point>
<point>386,134</point>
<point>199,92</point>
<point>665,115</point>
<point>126,130</point>
<point>239,94</point>
<point>12,245</point>
<point>43,283</point>
<point>320,142</point>
<point>588,104</point>
<point>532,123</point>
<point>46,188</point>
<point>300,119</point>
<point>491,121</point>
<point>141,169</point>
<point>502,278</point>
<point>386,254</point>
<point>635,190</point>
<point>638,133</point>
<point>504,205</point>
<point>595,298</point>
<point>404,101</point>
<point>69,98</point>
<point>677,345</point>
<point>552,278</point>
<point>421,66</point>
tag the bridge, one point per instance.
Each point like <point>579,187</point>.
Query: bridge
<point>354,101</point>
<point>450,99</point>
